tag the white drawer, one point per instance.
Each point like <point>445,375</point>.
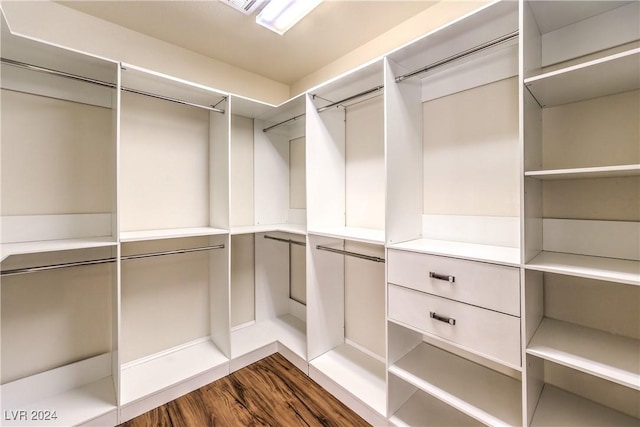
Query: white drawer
<point>479,330</point>
<point>491,286</point>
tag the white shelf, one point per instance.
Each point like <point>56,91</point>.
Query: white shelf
<point>585,173</point>
<point>300,229</point>
<point>423,410</point>
<point>287,329</point>
<point>364,235</point>
<point>171,233</point>
<point>485,395</point>
<point>150,375</point>
<point>605,76</point>
<point>471,251</point>
<point>72,407</point>
<point>590,267</point>
<point>8,249</point>
<point>559,408</point>
<point>360,374</point>
<point>597,353</point>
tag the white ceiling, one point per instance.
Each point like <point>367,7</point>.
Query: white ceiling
<point>211,28</point>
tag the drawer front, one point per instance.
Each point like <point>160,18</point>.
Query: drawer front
<point>491,286</point>
<point>482,331</point>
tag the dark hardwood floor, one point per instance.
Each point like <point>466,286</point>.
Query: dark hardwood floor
<point>271,392</point>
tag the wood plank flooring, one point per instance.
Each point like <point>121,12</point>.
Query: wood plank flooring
<point>270,392</point>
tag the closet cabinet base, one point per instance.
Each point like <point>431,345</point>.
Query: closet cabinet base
<point>354,378</point>
<point>149,383</point>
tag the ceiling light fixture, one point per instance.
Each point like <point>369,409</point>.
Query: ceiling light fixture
<point>280,15</point>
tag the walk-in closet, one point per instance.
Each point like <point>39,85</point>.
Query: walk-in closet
<point>444,234</point>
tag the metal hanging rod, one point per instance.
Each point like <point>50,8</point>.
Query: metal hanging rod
<point>326,107</point>
<point>55,266</point>
<point>348,253</point>
<point>292,119</point>
<point>291,242</point>
<point>460,55</point>
<point>37,68</point>
<point>102,261</point>
<point>55,72</point>
<point>177,101</point>
<point>351,98</point>
<point>174,252</point>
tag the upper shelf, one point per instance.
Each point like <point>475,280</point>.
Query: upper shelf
<point>585,173</point>
<point>171,233</point>
<point>590,267</point>
<point>471,251</point>
<point>604,76</point>
<point>300,229</point>
<point>363,235</point>
<point>23,248</point>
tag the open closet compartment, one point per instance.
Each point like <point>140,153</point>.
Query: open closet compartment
<point>59,279</point>
<point>345,255</point>
<point>453,221</point>
<point>268,232</point>
<point>582,214</point>
<point>174,216</point>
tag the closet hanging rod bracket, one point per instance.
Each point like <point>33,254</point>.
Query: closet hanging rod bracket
<point>289,241</point>
<point>51,71</point>
<point>349,253</point>
<point>463,54</point>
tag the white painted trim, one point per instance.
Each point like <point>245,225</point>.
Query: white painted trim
<point>163,353</point>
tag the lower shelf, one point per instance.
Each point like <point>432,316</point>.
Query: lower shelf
<point>356,372</point>
<point>487,396</point>
<point>153,374</point>
<point>424,410</point>
<point>604,355</point>
<point>557,407</point>
<point>286,329</point>
<point>78,393</point>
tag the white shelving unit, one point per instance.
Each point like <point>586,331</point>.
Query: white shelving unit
<point>268,228</point>
<point>174,238</point>
<point>494,161</point>
<point>452,98</point>
<point>346,220</point>
<point>58,159</point>
<point>582,225</point>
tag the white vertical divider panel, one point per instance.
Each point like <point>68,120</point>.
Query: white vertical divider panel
<point>325,296</point>
<point>219,259</point>
<point>271,278</point>
<point>531,133</point>
<point>403,147</point>
<point>219,166</point>
<point>325,137</point>
<point>115,224</point>
<point>271,174</point>
<point>400,342</point>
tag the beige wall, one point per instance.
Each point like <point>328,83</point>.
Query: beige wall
<point>66,27</point>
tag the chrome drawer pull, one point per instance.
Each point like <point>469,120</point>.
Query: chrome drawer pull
<point>449,279</point>
<point>444,319</point>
